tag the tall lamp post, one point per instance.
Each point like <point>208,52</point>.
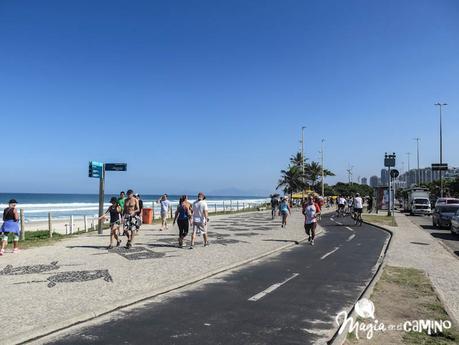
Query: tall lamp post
<point>323,173</point>
<point>418,172</point>
<point>440,105</point>
<point>302,159</point>
<point>408,154</point>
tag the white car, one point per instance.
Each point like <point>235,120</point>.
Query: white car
<point>446,201</point>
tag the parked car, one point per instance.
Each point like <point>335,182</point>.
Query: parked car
<point>441,217</point>
<point>446,201</point>
<point>455,223</point>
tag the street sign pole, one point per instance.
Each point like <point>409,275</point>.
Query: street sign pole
<point>101,200</point>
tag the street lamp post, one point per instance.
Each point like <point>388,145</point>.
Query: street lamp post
<point>418,172</point>
<point>302,158</point>
<point>408,169</point>
<point>323,173</point>
<point>440,105</point>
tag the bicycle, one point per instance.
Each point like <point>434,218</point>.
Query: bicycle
<point>358,217</point>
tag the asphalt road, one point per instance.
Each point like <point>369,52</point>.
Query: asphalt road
<point>444,235</point>
<point>246,306</point>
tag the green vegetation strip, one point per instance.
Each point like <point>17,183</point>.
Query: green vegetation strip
<point>406,294</point>
<point>380,220</point>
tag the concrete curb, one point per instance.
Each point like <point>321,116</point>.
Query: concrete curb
<point>339,339</point>
<point>36,334</point>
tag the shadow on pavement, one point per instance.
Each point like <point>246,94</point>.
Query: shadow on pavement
<point>88,247</point>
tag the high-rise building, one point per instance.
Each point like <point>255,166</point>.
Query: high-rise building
<point>384,177</point>
<point>364,181</point>
<point>374,181</point>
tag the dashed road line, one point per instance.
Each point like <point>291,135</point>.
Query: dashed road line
<point>273,287</point>
<point>349,228</point>
<point>329,253</point>
<point>350,238</point>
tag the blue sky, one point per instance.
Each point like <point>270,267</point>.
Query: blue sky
<point>211,95</point>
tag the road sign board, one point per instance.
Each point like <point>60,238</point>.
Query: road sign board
<point>439,166</point>
<point>115,166</point>
<point>394,173</point>
<point>389,162</point>
<point>95,169</point>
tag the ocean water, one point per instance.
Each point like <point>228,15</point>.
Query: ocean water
<point>36,206</point>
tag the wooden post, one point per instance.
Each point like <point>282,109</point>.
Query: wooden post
<point>237,205</point>
<point>243,206</point>
<point>21,219</point>
<point>71,225</point>
<point>171,212</point>
<point>224,206</point>
<point>85,219</point>
<point>50,225</point>
<point>231,206</point>
<point>215,207</point>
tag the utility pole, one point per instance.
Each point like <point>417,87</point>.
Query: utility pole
<point>302,158</point>
<point>418,172</point>
<point>408,176</point>
<point>440,105</point>
<point>323,173</point>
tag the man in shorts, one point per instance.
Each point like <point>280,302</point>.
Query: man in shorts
<point>274,206</point>
<point>131,219</point>
<point>341,205</point>
<point>165,204</point>
<point>358,208</point>
<point>310,219</point>
<point>200,219</point>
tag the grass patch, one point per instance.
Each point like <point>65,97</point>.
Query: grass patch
<point>405,294</point>
<point>382,220</point>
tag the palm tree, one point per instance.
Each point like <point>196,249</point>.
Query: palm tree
<point>297,160</point>
<point>291,180</point>
<point>313,174</point>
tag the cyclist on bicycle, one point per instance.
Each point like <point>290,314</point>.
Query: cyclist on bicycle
<point>341,205</point>
<point>358,208</point>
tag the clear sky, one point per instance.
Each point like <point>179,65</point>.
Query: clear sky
<point>211,95</point>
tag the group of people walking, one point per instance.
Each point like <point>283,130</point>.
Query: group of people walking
<point>125,218</point>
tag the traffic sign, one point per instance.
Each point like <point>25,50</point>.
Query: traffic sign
<point>115,167</point>
<point>394,173</point>
<point>439,166</point>
<point>389,160</point>
<point>95,169</point>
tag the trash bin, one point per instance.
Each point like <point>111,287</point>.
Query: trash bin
<point>147,216</point>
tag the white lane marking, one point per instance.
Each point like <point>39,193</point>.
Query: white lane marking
<point>332,219</point>
<point>273,287</point>
<point>349,228</point>
<point>350,238</point>
<point>329,253</point>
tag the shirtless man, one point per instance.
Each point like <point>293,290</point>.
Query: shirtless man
<point>131,220</point>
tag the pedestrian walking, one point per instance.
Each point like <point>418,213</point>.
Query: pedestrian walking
<point>122,200</point>
<point>370,204</point>
<point>284,211</point>
<point>310,219</point>
<point>139,213</point>
<point>165,204</point>
<point>10,226</point>
<point>114,210</point>
<point>183,218</point>
<point>131,219</point>
<point>200,219</point>
<point>274,205</point>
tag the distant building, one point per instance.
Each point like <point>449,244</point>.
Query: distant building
<point>364,181</point>
<point>426,175</point>
<point>384,177</point>
<point>374,181</point>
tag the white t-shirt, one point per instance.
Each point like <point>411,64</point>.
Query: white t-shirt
<point>164,205</point>
<point>341,201</point>
<point>199,207</point>
<point>358,202</point>
<point>310,214</point>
